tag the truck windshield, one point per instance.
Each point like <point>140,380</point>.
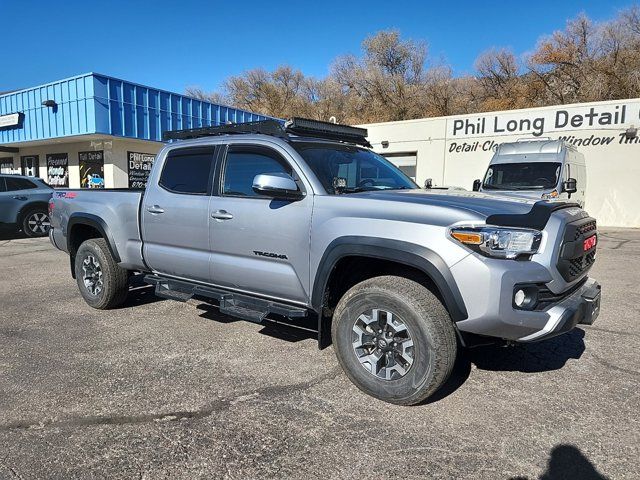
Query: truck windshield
<point>347,169</point>
<point>522,176</point>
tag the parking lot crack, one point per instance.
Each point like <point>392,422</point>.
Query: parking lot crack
<point>215,407</point>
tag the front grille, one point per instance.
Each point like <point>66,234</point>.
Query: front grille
<point>581,264</point>
<point>585,229</point>
<point>574,262</point>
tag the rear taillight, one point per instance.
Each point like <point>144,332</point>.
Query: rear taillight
<point>51,207</point>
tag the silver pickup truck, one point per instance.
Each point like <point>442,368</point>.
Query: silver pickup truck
<point>302,222</point>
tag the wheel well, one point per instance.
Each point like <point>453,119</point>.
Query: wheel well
<point>351,270</point>
<point>32,206</point>
<point>80,233</point>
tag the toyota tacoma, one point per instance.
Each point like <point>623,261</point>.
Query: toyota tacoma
<point>301,221</point>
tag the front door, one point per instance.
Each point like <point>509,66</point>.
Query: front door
<point>175,215</point>
<point>259,245</point>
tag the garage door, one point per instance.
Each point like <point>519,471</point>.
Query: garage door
<point>405,161</point>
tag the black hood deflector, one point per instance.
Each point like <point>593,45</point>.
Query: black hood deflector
<point>537,217</point>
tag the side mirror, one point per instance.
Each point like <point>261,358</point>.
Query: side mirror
<point>428,183</point>
<point>570,185</point>
<point>476,185</point>
<point>277,185</point>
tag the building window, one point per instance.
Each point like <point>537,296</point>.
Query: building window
<point>91,169</point>
<point>30,165</point>
<point>6,165</point>
<point>405,161</point>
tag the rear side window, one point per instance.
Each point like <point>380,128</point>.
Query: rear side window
<point>244,163</point>
<point>14,184</point>
<point>188,170</point>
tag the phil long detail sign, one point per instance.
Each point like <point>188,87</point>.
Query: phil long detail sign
<point>537,123</point>
<point>58,169</point>
<point>139,167</point>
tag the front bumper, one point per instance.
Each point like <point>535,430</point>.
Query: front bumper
<point>487,285</point>
<point>581,307</point>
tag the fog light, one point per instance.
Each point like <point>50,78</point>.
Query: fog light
<point>525,297</point>
<point>519,298</point>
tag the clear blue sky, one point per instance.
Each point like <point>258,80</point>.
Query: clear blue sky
<point>180,43</point>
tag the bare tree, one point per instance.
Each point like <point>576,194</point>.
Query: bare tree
<point>387,80</point>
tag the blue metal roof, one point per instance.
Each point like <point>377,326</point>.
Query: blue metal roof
<point>95,103</point>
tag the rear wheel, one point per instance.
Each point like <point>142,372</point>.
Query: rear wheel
<point>35,223</point>
<point>394,339</point>
<point>102,282</point>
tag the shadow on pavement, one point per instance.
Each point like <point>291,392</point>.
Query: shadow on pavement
<point>551,354</point>
<point>568,462</point>
<point>140,293</point>
<point>6,234</point>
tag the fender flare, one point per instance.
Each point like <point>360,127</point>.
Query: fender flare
<point>410,254</point>
<point>96,222</point>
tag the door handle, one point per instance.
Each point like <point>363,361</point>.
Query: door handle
<point>155,209</point>
<point>221,215</point>
<point>20,197</point>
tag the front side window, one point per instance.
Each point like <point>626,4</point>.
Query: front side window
<point>187,171</point>
<point>14,184</point>
<point>522,176</point>
<point>354,169</point>
<point>244,163</point>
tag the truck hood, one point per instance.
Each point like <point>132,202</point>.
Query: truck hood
<point>478,203</point>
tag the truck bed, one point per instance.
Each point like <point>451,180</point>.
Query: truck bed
<point>117,209</point>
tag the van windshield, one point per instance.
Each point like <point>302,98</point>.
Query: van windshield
<point>522,176</point>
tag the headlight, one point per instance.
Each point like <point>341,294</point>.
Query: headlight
<point>500,242</point>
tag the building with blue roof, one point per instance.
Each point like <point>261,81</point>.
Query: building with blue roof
<point>97,131</point>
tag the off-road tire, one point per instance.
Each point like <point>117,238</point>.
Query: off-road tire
<point>115,279</point>
<point>426,319</point>
<point>29,216</point>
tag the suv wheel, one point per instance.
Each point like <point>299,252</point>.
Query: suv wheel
<point>394,339</point>
<point>102,282</point>
<point>35,223</point>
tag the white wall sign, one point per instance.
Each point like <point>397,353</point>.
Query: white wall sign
<point>539,123</point>
<point>10,120</point>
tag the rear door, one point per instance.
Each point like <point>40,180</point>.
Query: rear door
<point>175,214</point>
<point>259,245</point>
<point>15,194</point>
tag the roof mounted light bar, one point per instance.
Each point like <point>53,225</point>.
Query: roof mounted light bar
<point>333,131</point>
<point>296,126</point>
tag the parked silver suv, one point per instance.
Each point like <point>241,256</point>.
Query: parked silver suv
<point>23,204</point>
<point>304,221</point>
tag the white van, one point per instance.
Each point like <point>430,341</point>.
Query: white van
<point>540,168</point>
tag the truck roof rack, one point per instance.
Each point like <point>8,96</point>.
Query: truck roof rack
<point>295,126</point>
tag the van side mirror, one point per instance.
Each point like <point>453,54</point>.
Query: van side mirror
<point>570,185</point>
<point>476,185</point>
<point>428,183</point>
<point>277,185</point>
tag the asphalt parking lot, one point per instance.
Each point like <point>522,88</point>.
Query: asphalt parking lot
<point>161,389</point>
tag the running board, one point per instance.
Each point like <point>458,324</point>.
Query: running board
<point>234,304</point>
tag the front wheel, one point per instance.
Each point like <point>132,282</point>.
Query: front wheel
<point>102,282</point>
<point>394,339</point>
